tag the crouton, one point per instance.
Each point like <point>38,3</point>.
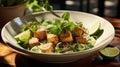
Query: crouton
<point>52,38</point>
<point>46,48</point>
<point>78,31</point>
<point>40,34</point>
<point>81,40</point>
<point>33,42</point>
<point>66,37</point>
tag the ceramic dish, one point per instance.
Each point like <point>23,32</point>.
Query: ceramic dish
<point>12,28</point>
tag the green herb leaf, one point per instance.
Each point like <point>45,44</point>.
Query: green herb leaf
<point>48,7</point>
<point>66,16</point>
<point>58,48</point>
<point>68,26</point>
<point>56,28</point>
<point>32,26</point>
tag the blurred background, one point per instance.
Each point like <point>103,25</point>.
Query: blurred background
<point>103,8</point>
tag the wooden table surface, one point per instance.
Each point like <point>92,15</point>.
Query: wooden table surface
<point>9,58</point>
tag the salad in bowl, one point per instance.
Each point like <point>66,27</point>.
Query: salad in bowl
<point>57,36</point>
<point>47,38</point>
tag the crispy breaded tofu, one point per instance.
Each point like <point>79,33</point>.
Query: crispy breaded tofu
<point>78,31</point>
<point>40,34</point>
<point>52,38</point>
<point>33,42</point>
<point>66,37</point>
<point>81,40</point>
<point>46,48</point>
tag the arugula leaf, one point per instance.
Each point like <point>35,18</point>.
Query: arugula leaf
<point>68,26</point>
<point>48,7</point>
<point>56,28</point>
<point>58,23</point>
<point>66,16</point>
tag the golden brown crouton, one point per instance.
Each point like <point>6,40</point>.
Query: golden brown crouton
<point>80,40</point>
<point>78,31</point>
<point>66,37</point>
<point>40,34</point>
<point>52,38</point>
<point>33,42</point>
<point>46,48</point>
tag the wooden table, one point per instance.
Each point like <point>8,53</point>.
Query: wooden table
<point>9,58</point>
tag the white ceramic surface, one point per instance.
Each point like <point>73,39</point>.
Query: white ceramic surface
<point>12,28</point>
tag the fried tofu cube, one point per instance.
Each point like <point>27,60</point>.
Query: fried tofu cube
<point>52,38</point>
<point>46,48</point>
<point>81,40</point>
<point>78,31</point>
<point>40,34</point>
<point>33,42</point>
<point>66,37</point>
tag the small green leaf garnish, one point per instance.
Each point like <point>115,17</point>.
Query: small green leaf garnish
<point>66,16</point>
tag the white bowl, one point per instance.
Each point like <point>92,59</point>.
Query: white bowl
<point>12,28</point>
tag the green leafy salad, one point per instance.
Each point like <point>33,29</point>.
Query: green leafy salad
<point>57,36</point>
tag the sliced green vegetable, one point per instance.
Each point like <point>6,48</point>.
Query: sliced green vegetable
<point>95,30</point>
<point>24,37</point>
<point>74,47</point>
<point>95,27</point>
<point>82,47</point>
<point>109,52</point>
<point>35,49</point>
<point>98,33</point>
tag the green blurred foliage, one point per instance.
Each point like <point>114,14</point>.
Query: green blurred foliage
<point>32,5</point>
